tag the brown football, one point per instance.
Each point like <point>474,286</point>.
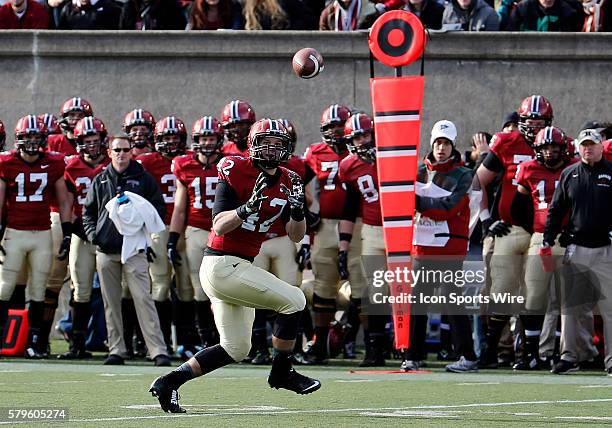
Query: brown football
<point>307,63</point>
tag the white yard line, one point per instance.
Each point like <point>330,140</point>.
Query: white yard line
<point>253,411</point>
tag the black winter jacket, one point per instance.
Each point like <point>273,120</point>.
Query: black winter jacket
<point>99,228</point>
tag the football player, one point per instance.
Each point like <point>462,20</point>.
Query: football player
<point>170,141</point>
<point>277,256</point>
<point>536,183</point>
<point>29,176</point>
<point>139,125</point>
<point>50,121</point>
<point>236,119</point>
<point>196,182</point>
<point>2,137</point>
<point>253,193</point>
<point>323,162</point>
<point>508,151</point>
<point>91,136</point>
<point>360,179</point>
<point>72,110</point>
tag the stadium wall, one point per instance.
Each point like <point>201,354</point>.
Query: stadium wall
<point>473,79</point>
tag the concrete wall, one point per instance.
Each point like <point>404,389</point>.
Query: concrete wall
<point>472,78</point>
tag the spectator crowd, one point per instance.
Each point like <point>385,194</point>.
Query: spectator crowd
<point>332,15</point>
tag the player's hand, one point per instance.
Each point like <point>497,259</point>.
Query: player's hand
<point>173,255</point>
<point>546,257</point>
<point>64,248</point>
<point>479,143</point>
<point>303,257</point>
<point>151,256</point>
<point>343,264</point>
<point>295,196</point>
<point>254,203</point>
<point>499,228</point>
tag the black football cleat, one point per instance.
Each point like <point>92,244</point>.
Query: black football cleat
<point>168,396</point>
<point>293,381</point>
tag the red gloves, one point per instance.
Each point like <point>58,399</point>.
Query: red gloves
<point>546,257</point>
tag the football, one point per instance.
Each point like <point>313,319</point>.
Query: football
<point>307,63</point>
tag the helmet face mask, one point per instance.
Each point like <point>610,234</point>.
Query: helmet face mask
<point>237,132</point>
<point>207,145</point>
<point>30,135</point>
<point>140,136</point>
<point>269,143</point>
<point>359,135</point>
<point>551,147</point>
<point>364,147</point>
<point>535,113</point>
<point>91,145</point>
<point>168,144</point>
<point>139,125</point>
<point>236,119</point>
<point>31,144</point>
<point>333,119</point>
<point>170,136</point>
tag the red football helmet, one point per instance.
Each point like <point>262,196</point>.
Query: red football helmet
<point>73,110</point>
<point>269,155</point>
<point>207,126</point>
<point>51,123</point>
<point>235,117</point>
<point>86,127</point>
<point>2,136</point>
<point>551,136</point>
<point>139,117</point>
<point>30,135</point>
<point>332,117</point>
<point>361,124</point>
<point>534,107</point>
<point>167,126</point>
<point>292,132</point>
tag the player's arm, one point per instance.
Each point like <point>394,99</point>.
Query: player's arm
<point>225,216</point>
<point>181,203</point>
<point>65,200</point>
<point>522,209</point>
<point>296,226</point>
<point>559,207</point>
<point>90,212</point>
<point>346,226</point>
<point>485,174</point>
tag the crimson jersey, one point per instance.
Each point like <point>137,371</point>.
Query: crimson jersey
<point>511,149</point>
<point>608,150</point>
<point>245,241</point>
<point>297,165</point>
<point>325,163</point>
<point>201,183</point>
<point>541,183</point>
<point>363,178</point>
<point>160,167</point>
<point>79,175</point>
<point>60,144</point>
<point>29,188</point>
<point>231,149</point>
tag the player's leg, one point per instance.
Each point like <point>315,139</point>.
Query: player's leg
<point>237,281</point>
<point>82,268</point>
<point>324,262</point>
<point>506,277</point>
<point>358,285</point>
<point>39,256</point>
<point>13,262</point>
<point>259,353</point>
<point>195,240</point>
<point>184,305</point>
<point>161,278</point>
<point>234,323</point>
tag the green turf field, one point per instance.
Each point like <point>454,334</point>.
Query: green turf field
<point>238,396</point>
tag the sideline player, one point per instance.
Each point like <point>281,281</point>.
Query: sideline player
<point>91,136</point>
<point>29,177</point>
<point>253,193</point>
<point>196,183</point>
<point>236,119</point>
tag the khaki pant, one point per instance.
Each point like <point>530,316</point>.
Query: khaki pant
<point>277,256</point>
<point>537,281</point>
<point>82,268</point>
<point>507,261</point>
<point>195,242</point>
<point>325,260</point>
<point>135,271</point>
<point>58,275</point>
<point>161,270</point>
<point>236,288</point>
<point>29,248</point>
<point>597,262</point>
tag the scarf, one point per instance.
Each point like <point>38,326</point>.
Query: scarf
<point>346,19</point>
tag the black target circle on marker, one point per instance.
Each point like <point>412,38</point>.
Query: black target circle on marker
<point>392,27</point>
<point>397,38</point>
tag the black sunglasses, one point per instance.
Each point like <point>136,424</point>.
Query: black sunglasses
<point>124,150</point>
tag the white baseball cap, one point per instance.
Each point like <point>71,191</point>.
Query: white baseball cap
<point>443,129</point>
<point>592,135</point>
